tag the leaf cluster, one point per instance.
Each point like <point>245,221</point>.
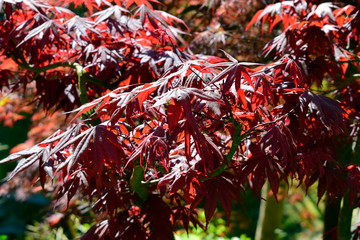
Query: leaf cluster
<point>166,129</point>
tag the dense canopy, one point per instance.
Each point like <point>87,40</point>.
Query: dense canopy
<point>159,127</point>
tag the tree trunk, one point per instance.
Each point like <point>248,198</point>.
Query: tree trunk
<point>331,216</point>
<point>270,216</point>
<point>344,223</point>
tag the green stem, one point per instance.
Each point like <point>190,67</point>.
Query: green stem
<point>237,138</point>
<point>236,141</point>
<point>93,80</point>
<point>39,70</point>
<point>80,71</point>
<point>349,61</point>
<point>82,74</point>
<point>342,85</point>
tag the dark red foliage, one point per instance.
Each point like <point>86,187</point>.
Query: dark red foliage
<point>164,129</point>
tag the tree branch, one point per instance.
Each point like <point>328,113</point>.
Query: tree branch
<point>39,70</point>
<point>80,71</point>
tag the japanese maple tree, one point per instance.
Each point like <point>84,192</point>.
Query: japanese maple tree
<point>158,130</point>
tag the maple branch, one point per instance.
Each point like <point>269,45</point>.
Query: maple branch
<point>236,141</point>
<point>80,71</point>
<point>23,63</point>
<point>340,86</point>
<point>93,80</point>
<point>82,74</point>
<point>49,67</point>
<point>349,61</point>
<point>238,137</point>
<point>26,65</point>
